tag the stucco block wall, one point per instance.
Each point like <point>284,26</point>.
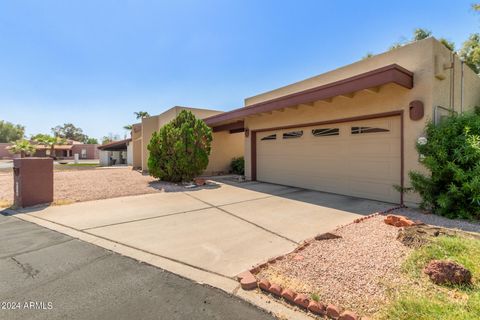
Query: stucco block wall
<point>4,153</point>
<point>418,57</point>
<point>225,147</point>
<point>136,144</point>
<point>92,151</point>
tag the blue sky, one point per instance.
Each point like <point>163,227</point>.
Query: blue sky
<point>94,63</point>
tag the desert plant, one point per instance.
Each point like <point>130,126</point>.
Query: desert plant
<point>22,147</point>
<point>451,153</point>
<point>237,166</point>
<point>179,150</point>
<point>49,142</point>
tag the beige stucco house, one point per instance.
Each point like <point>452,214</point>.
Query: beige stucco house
<point>226,145</point>
<point>352,130</point>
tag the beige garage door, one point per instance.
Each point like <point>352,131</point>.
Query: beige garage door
<point>360,158</point>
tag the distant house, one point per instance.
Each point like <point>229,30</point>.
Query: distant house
<point>65,151</point>
<point>116,153</point>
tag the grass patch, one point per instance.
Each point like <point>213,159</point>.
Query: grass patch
<point>315,297</point>
<point>61,202</point>
<point>81,164</point>
<point>76,166</point>
<point>422,299</point>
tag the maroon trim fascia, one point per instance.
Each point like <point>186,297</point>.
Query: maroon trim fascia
<point>389,74</point>
<point>234,126</point>
<point>113,144</point>
<point>253,141</point>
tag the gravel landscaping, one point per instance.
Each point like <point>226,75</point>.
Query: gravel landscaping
<point>93,184</point>
<point>351,272</point>
<point>440,221</point>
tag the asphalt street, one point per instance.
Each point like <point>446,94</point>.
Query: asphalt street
<point>48,275</point>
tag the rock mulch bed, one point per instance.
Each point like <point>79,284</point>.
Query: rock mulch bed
<point>347,269</point>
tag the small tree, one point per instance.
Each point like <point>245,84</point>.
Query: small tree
<point>452,155</point>
<point>141,114</point>
<point>179,150</point>
<point>49,142</point>
<point>22,147</point>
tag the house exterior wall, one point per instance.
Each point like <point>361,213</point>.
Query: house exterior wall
<point>225,147</point>
<point>418,57</point>
<point>4,153</point>
<point>130,153</point>
<point>154,123</point>
<point>92,151</point>
<point>136,143</point>
<point>104,157</point>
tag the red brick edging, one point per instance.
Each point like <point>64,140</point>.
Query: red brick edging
<point>248,281</point>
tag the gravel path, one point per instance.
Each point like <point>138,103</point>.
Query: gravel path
<point>93,184</point>
<point>435,220</point>
<point>351,272</point>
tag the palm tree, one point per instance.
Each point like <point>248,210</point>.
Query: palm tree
<point>141,114</point>
<point>49,141</point>
<point>128,127</point>
<point>24,147</point>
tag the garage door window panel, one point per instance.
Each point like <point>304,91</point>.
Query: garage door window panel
<point>270,137</point>
<point>361,130</point>
<point>293,134</point>
<point>326,132</point>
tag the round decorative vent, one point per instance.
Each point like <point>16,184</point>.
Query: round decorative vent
<point>416,110</point>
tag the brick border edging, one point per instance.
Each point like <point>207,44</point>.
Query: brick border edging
<point>249,281</point>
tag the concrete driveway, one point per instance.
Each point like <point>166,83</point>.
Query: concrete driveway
<point>223,228</point>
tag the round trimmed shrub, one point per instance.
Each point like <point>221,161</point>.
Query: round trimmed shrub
<point>179,150</point>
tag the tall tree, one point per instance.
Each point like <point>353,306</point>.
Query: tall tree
<point>470,52</point>
<point>141,114</point>
<point>110,138</point>
<point>128,127</point>
<point>69,131</point>
<point>91,141</point>
<point>10,132</point>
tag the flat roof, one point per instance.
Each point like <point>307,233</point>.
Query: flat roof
<point>115,145</point>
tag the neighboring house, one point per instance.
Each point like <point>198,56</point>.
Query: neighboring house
<point>4,153</point>
<point>65,151</point>
<point>226,145</point>
<point>352,130</point>
<point>116,153</point>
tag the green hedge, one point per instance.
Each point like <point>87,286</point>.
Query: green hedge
<point>452,155</point>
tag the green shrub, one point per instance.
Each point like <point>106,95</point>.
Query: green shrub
<point>452,155</point>
<point>179,150</point>
<point>238,165</point>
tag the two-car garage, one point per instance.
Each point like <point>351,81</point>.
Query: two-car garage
<point>337,134</point>
<point>358,158</point>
